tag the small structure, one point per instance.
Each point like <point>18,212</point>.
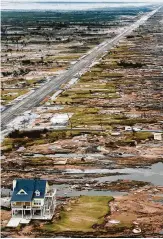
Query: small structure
<point>128,128</point>
<point>115,133</point>
<point>32,199</point>
<point>158,136</point>
<point>134,129</point>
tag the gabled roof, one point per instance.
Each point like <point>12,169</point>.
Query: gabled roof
<point>29,186</point>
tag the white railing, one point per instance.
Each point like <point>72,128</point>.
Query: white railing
<point>21,207</point>
<point>49,206</point>
<point>37,206</point>
<point>28,207</point>
<point>51,193</point>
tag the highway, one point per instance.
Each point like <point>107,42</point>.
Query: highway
<point>55,83</point>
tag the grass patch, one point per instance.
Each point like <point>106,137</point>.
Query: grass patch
<point>9,95</point>
<point>56,135</point>
<point>41,161</point>
<point>81,214</point>
<point>138,136</point>
<point>143,135</point>
<point>32,81</point>
<point>7,145</point>
<point>79,97</point>
<point>132,122</point>
<point>67,57</point>
<point>36,142</point>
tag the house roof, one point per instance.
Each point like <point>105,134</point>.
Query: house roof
<point>29,186</point>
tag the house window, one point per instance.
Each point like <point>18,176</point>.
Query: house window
<point>37,203</point>
<point>22,192</point>
<point>37,193</point>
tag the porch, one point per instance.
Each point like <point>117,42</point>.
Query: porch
<point>22,213</point>
<point>29,214</point>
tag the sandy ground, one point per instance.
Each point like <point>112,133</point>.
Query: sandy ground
<point>141,210</point>
<point>5,216</point>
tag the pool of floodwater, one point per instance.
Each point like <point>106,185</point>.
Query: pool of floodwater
<point>69,191</point>
<point>152,174</point>
<point>71,155</point>
<point>161,232</point>
<point>159,198</point>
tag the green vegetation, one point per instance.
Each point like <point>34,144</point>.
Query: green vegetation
<point>9,95</point>
<point>122,226</point>
<point>39,161</point>
<point>129,64</point>
<point>81,214</point>
<point>32,81</point>
<point>84,118</point>
<point>31,138</point>
<point>56,135</point>
<point>67,57</point>
<point>73,96</point>
<point>36,142</point>
<point>96,75</point>
<point>138,136</point>
<point>143,135</point>
<point>132,122</point>
<point>7,145</point>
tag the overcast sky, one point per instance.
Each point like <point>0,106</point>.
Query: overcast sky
<point>54,4</point>
<point>99,1</point>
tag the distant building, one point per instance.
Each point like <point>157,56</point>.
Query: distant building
<point>32,199</point>
<point>158,136</point>
<point>115,133</point>
<point>128,128</point>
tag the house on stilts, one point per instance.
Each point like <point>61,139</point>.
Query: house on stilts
<point>32,199</point>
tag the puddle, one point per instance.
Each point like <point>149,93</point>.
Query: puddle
<point>161,232</point>
<point>158,198</point>
<point>68,191</point>
<point>123,155</point>
<point>88,171</point>
<point>68,155</point>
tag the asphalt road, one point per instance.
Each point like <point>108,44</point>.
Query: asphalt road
<point>54,84</point>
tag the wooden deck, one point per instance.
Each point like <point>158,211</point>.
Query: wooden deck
<point>15,221</point>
